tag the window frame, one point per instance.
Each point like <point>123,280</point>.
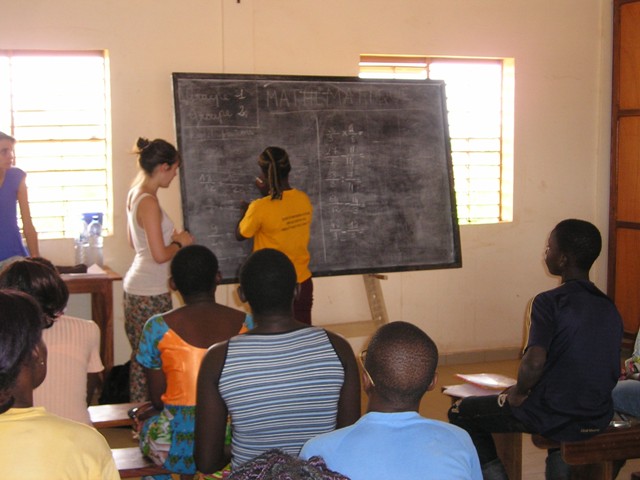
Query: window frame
<point>418,67</point>
<point>68,216</point>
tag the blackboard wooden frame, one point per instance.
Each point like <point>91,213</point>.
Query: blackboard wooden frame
<point>373,155</point>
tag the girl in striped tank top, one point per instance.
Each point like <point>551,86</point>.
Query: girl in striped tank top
<point>283,382</point>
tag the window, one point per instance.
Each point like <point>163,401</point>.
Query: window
<point>56,105</point>
<point>480,97</point>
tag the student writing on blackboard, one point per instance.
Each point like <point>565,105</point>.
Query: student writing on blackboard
<point>153,236</point>
<point>281,220</point>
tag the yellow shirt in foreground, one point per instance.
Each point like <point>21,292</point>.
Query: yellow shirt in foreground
<point>284,225</point>
<point>35,444</point>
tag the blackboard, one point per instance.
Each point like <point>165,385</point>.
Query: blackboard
<point>373,156</point>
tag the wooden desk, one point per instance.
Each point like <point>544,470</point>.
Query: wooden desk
<point>115,415</point>
<point>101,289</point>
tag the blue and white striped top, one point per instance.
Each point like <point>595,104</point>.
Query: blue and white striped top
<point>281,390</point>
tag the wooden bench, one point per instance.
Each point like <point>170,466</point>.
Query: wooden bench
<point>594,459</point>
<point>113,415</point>
<point>131,463</point>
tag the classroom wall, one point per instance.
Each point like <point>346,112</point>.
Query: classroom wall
<point>562,51</point>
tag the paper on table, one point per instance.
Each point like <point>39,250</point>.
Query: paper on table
<point>95,269</point>
<point>464,390</point>
<point>488,380</point>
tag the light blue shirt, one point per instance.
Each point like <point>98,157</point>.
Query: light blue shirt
<point>402,446</point>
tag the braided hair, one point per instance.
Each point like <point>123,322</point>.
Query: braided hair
<point>274,163</point>
<point>277,465</point>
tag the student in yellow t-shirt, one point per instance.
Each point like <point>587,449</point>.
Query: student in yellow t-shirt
<point>33,442</point>
<point>281,220</point>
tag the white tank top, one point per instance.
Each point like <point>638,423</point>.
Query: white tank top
<point>146,277</point>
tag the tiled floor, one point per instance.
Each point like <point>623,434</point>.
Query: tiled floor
<point>435,405</point>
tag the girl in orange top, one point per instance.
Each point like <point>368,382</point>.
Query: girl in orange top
<point>171,349</point>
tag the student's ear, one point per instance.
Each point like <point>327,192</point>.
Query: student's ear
<point>219,278</point>
<point>243,299</point>
<point>433,383</point>
<point>366,383</point>
<point>296,290</point>
<point>172,284</point>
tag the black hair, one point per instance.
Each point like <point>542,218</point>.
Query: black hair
<point>21,323</point>
<point>194,269</point>
<point>402,361</point>
<point>274,162</point>
<point>152,153</point>
<point>268,280</point>
<point>580,241</point>
<point>39,278</point>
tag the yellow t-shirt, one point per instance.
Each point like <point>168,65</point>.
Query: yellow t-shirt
<point>284,225</point>
<point>35,444</point>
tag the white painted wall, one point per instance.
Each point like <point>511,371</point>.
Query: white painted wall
<point>562,51</point>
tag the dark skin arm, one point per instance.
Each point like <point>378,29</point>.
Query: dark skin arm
<point>211,414</point>
<point>157,386</point>
<point>243,209</point>
<point>349,403</point>
<point>529,372</point>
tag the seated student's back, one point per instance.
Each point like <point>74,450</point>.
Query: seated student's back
<point>392,440</point>
<point>282,383</point>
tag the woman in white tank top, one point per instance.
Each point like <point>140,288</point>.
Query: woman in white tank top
<point>153,237</point>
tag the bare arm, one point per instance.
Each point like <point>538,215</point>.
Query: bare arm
<point>211,413</point>
<point>157,383</point>
<point>530,371</point>
<point>349,405</point>
<point>29,230</point>
<point>149,216</point>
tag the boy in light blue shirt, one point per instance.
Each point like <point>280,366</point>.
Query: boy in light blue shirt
<point>392,440</point>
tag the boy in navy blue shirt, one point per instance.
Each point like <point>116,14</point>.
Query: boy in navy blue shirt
<point>570,365</point>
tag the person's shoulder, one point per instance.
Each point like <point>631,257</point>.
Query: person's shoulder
<point>81,323</point>
<point>16,172</point>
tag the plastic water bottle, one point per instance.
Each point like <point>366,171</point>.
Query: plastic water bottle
<point>95,242</point>
<point>81,244</point>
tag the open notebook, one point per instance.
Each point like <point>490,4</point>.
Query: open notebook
<point>479,384</point>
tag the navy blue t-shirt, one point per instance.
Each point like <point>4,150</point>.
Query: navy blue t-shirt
<point>581,330</point>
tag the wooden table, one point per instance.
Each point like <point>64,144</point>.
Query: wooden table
<point>115,415</point>
<point>101,289</point>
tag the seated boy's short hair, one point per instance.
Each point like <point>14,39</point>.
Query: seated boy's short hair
<point>579,240</point>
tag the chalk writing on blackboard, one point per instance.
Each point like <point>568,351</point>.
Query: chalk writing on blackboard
<point>373,156</point>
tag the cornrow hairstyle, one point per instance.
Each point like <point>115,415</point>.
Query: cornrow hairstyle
<point>152,153</point>
<point>21,323</point>
<point>579,240</point>
<point>276,464</point>
<point>39,278</point>
<point>274,162</point>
